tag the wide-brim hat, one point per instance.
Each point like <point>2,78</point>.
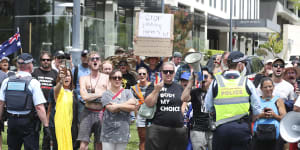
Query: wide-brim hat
<point>149,57</point>
<point>291,67</point>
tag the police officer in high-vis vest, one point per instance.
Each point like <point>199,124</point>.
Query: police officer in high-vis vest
<point>24,101</point>
<point>232,97</point>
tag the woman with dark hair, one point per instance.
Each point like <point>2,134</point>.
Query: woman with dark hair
<point>269,118</point>
<point>63,117</point>
<point>118,104</point>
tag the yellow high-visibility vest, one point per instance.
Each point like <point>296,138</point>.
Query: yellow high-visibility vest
<point>232,100</point>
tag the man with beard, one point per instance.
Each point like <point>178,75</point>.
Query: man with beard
<point>92,87</point>
<point>217,67</point>
<point>47,77</point>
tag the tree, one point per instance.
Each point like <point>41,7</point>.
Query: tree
<point>296,4</point>
<point>274,45</point>
<point>183,23</point>
<point>261,52</point>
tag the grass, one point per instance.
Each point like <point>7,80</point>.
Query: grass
<point>132,145</point>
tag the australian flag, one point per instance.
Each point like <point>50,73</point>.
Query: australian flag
<point>10,46</point>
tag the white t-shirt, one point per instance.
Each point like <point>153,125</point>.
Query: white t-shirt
<point>283,89</point>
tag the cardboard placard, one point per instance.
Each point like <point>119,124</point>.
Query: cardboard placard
<point>154,34</point>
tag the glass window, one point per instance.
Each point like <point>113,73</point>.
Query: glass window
<point>210,2</point>
<point>215,3</point>
<point>225,5</point>
<point>222,5</point>
<point>234,8</point>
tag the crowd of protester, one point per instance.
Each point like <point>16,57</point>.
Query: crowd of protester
<point>194,110</point>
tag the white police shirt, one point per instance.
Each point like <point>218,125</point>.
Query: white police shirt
<point>34,87</point>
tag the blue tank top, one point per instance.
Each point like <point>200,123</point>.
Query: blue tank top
<point>269,104</point>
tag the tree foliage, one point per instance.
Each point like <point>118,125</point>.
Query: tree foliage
<point>296,3</point>
<point>183,23</point>
<point>274,45</point>
<point>261,52</point>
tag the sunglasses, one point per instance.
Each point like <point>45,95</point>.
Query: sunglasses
<point>205,76</point>
<point>142,74</point>
<point>94,58</point>
<point>122,64</point>
<point>117,78</point>
<point>46,59</point>
<point>280,65</point>
<point>168,71</point>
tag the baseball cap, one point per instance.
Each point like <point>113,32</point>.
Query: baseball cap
<point>177,54</point>
<point>25,58</point>
<point>278,59</point>
<point>185,76</point>
<point>268,61</point>
<point>84,52</point>
<point>59,53</point>
<point>236,56</point>
<point>4,58</point>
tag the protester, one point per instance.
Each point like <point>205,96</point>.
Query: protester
<point>59,57</point>
<point>184,68</point>
<point>92,87</point>
<point>291,74</point>
<point>118,104</point>
<point>176,59</point>
<point>128,79</point>
<point>65,112</point>
<point>5,66</point>
<point>20,103</point>
<point>230,96</point>
<point>200,134</point>
<point>154,66</point>
<point>224,60</point>
<point>266,72</point>
<point>79,71</point>
<point>107,67</point>
<point>167,130</point>
<point>184,79</point>
<point>274,110</point>
<point>120,52</point>
<point>217,67</point>
<point>47,78</point>
<point>138,91</point>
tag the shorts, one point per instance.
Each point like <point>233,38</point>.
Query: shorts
<point>140,121</point>
<point>89,123</point>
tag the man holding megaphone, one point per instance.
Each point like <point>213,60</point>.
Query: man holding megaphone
<point>230,96</point>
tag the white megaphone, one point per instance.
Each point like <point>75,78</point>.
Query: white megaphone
<point>194,60</point>
<point>290,127</point>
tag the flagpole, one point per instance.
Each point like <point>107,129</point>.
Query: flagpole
<point>30,25</point>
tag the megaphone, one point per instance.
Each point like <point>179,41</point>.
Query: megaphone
<point>194,60</point>
<point>290,127</point>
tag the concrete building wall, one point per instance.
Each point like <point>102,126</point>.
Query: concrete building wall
<point>291,41</point>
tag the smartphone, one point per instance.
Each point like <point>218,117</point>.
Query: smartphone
<point>157,77</point>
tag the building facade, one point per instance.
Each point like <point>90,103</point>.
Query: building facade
<point>108,24</point>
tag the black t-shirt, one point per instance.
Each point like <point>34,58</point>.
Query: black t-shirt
<point>128,80</point>
<point>46,78</point>
<point>200,118</point>
<point>168,106</point>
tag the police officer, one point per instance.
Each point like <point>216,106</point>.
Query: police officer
<point>23,98</point>
<point>230,96</point>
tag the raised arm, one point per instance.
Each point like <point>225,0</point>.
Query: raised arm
<point>151,99</point>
